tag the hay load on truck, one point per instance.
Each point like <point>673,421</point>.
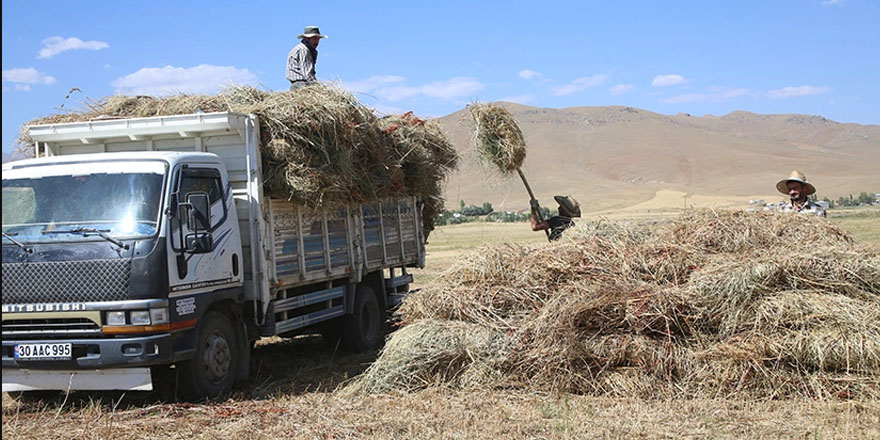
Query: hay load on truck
<point>135,246</point>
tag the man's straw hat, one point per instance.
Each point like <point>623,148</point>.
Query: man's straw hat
<point>568,203</point>
<point>311,31</point>
<point>796,176</point>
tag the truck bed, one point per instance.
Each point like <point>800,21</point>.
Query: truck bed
<point>284,245</point>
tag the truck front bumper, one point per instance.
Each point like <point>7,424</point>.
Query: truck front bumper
<point>93,354</point>
<point>135,379</point>
<point>95,364</point>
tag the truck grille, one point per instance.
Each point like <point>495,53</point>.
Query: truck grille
<point>41,328</point>
<point>66,281</point>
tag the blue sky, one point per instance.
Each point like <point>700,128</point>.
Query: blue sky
<point>701,57</point>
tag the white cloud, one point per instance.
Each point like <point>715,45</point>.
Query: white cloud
<point>394,88</point>
<point>372,83</point>
<point>833,2</point>
<point>521,99</point>
<point>396,93</point>
<point>23,78</point>
<point>528,74</point>
<point>580,84</point>
<point>790,92</point>
<point>54,45</point>
<point>715,94</point>
<point>621,89</point>
<point>731,93</point>
<point>452,88</point>
<point>203,78</point>
<point>667,80</point>
<point>17,88</point>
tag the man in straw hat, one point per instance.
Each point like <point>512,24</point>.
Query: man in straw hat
<point>301,60</point>
<point>568,208</point>
<point>797,188</point>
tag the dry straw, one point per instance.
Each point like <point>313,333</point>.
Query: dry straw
<point>321,146</point>
<point>711,304</point>
<point>497,137</point>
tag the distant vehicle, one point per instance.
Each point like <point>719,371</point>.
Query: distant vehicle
<point>138,244</point>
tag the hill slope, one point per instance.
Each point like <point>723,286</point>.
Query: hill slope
<point>611,158</point>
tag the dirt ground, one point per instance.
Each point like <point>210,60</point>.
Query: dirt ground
<point>292,396</point>
<point>294,393</point>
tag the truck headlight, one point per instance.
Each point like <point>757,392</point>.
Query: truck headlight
<point>159,316</point>
<point>140,317</point>
<point>115,318</point>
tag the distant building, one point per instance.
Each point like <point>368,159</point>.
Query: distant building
<point>825,205</point>
<point>756,202</point>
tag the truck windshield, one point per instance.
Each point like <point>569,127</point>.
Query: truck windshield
<point>118,199</point>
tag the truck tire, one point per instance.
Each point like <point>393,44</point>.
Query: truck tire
<point>363,328</point>
<point>211,373</point>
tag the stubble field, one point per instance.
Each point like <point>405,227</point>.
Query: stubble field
<point>293,394</point>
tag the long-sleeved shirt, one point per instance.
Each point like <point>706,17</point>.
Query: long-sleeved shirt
<point>558,224</point>
<point>810,207</point>
<point>301,63</point>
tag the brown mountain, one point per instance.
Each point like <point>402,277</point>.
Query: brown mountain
<point>612,158</point>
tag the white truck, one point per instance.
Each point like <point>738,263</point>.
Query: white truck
<point>143,246</point>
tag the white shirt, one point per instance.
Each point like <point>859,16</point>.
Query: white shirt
<point>809,207</point>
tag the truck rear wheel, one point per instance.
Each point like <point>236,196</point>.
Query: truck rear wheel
<point>363,328</point>
<point>210,374</point>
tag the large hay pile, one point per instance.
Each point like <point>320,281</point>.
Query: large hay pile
<point>711,304</point>
<point>320,145</point>
<point>497,137</point>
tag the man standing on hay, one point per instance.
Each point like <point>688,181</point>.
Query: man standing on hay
<point>302,59</point>
<point>797,188</point>
<point>568,208</point>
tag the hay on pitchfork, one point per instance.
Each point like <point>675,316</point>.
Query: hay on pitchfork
<point>710,304</point>
<point>498,138</point>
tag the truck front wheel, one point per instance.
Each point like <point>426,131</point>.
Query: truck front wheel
<point>211,373</point>
<point>363,328</point>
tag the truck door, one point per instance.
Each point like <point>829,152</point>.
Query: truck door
<point>209,258</point>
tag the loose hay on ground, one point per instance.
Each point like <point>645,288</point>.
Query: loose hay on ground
<point>438,353</point>
<point>710,304</point>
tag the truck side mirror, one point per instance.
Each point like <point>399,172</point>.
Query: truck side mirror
<point>199,242</point>
<point>199,215</point>
<point>198,219</point>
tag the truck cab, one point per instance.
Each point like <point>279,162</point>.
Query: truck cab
<point>104,260</point>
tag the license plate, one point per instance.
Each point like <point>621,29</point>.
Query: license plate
<point>43,351</point>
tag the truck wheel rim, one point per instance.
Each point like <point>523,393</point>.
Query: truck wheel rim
<point>217,357</point>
